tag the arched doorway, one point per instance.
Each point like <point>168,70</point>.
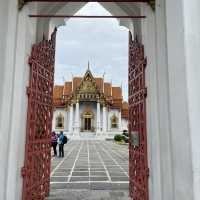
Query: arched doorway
<point>87,121</point>
<point>171,45</point>
<point>137,128</point>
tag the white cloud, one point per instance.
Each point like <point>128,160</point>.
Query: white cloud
<point>103,42</point>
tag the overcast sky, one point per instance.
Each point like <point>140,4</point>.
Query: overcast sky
<point>102,42</point>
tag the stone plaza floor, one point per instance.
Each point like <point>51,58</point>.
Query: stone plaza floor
<point>90,170</point>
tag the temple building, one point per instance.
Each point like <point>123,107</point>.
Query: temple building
<point>88,106</point>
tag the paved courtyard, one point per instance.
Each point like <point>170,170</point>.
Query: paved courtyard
<point>90,170</point>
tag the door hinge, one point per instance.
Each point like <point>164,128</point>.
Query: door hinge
<point>23,171</point>
<point>152,3</point>
<point>28,91</point>
<point>145,92</point>
<point>147,172</point>
<point>21,4</point>
<point>145,62</point>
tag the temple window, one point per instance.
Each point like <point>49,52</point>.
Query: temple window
<point>114,121</point>
<point>60,121</point>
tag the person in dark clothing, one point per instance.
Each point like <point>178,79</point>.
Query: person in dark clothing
<point>54,139</point>
<point>61,144</point>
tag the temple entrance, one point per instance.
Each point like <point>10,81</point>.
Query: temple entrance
<point>163,107</point>
<point>87,121</point>
<point>87,124</point>
<point>138,165</point>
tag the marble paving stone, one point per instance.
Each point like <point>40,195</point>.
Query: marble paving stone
<point>89,195</point>
<point>79,179</point>
<point>117,174</point>
<point>101,176</point>
<point>119,179</point>
<point>96,165</point>
<point>59,179</point>
<point>61,173</point>
<point>97,169</point>
<point>98,179</point>
<point>93,173</point>
<point>80,173</point>
<point>100,186</point>
<point>63,170</point>
<point>71,185</point>
<point>80,169</point>
<point>115,170</point>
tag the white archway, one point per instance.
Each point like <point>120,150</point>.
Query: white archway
<point>170,36</point>
<point>46,26</point>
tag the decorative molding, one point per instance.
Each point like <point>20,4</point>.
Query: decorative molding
<point>152,3</point>
<point>21,4</point>
<point>88,89</point>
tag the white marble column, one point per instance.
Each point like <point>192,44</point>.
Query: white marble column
<point>192,50</point>
<point>98,128</point>
<point>71,112</point>
<point>77,119</point>
<point>66,120</point>
<point>104,119</point>
<point>120,121</point>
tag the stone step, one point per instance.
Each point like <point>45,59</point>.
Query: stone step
<point>89,195</point>
<point>91,186</point>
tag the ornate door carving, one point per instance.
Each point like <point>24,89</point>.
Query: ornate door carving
<point>138,163</point>
<point>36,170</point>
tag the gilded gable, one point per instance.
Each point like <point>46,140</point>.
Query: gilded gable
<point>88,84</point>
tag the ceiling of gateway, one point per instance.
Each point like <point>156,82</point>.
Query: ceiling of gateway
<point>52,5</point>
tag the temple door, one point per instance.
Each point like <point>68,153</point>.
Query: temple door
<point>37,164</point>
<point>138,163</point>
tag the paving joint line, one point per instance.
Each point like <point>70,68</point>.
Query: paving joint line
<point>72,169</point>
<point>61,162</point>
<point>108,175</point>
<point>114,160</point>
<point>88,160</point>
<point>77,182</point>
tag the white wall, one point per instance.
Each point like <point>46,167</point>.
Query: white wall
<point>20,32</point>
<point>8,20</point>
<point>93,107</point>
<point>168,125</point>
<point>124,124</point>
<point>171,38</point>
<point>178,101</point>
<point>192,52</point>
<point>155,65</point>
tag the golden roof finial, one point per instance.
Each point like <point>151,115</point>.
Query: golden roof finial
<point>88,65</point>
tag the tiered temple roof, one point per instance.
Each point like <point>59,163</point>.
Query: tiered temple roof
<point>63,94</point>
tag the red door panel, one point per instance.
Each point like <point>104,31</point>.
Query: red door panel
<point>138,163</point>
<point>36,170</point>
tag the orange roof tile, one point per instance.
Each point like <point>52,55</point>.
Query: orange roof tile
<point>117,92</point>
<point>76,82</point>
<point>107,89</point>
<point>99,83</point>
<point>125,110</point>
<point>58,91</point>
<point>67,88</point>
<point>125,105</point>
<point>116,98</point>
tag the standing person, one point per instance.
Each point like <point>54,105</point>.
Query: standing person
<point>54,139</point>
<point>61,144</point>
